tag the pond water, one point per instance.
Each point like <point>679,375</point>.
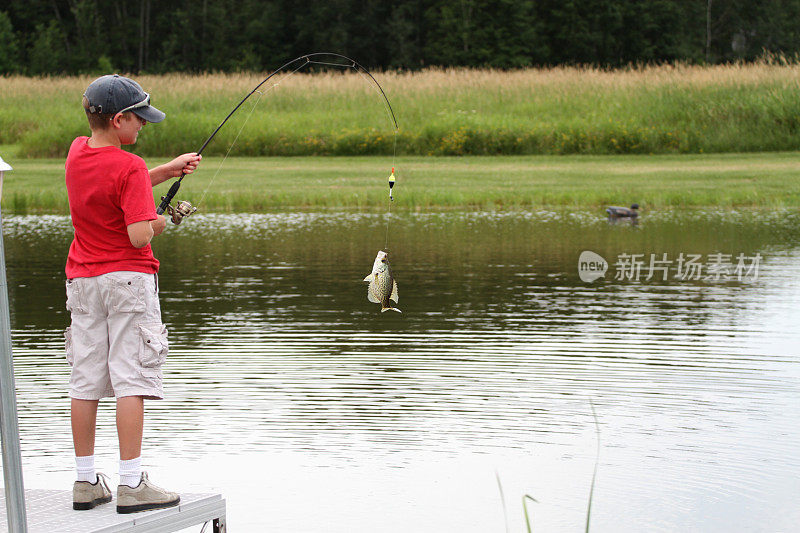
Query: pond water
<point>292,395</point>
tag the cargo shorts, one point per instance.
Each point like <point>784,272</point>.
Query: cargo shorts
<point>116,343</point>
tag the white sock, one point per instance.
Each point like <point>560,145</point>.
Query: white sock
<point>85,467</point>
<point>130,472</point>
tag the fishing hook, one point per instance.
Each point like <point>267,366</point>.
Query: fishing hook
<point>185,209</point>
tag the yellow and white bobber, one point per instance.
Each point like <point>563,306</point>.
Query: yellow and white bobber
<point>3,167</point>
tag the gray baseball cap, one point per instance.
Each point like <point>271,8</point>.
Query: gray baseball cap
<point>116,94</point>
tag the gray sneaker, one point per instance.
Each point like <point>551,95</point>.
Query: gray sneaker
<point>87,495</point>
<point>143,497</point>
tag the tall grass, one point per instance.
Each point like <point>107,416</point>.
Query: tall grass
<point>565,110</point>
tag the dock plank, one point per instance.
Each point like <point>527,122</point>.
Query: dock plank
<point>51,510</point>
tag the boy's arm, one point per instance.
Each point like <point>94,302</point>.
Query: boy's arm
<point>141,233</point>
<point>183,164</point>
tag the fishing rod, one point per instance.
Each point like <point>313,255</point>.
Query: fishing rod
<point>184,208</point>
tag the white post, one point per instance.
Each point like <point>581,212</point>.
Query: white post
<point>9,430</point>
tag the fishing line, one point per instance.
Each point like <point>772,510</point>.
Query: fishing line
<point>229,148</point>
<point>388,216</point>
<point>260,96</point>
<point>390,113</point>
<point>391,199</point>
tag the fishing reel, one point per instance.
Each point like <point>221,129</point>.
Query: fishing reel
<point>183,210</point>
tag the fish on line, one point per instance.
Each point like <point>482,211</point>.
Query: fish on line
<point>382,288</point>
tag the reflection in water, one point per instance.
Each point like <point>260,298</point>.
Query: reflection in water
<point>281,370</point>
<point>614,221</point>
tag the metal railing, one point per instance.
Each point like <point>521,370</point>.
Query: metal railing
<point>9,429</point>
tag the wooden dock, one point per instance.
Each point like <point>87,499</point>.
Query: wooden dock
<point>50,511</point>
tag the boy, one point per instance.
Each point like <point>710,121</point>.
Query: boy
<point>116,343</point>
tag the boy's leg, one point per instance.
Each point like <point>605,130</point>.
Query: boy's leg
<point>130,425</point>
<point>86,343</point>
<point>137,349</point>
<point>87,351</point>
<point>84,418</point>
<point>137,345</point>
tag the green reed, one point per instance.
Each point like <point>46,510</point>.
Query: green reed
<point>568,110</point>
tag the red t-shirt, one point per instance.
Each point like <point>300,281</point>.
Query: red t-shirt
<point>108,189</point>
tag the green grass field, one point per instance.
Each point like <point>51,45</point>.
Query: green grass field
<point>243,184</point>
<point>661,109</point>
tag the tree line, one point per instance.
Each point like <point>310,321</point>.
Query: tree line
<point>39,37</point>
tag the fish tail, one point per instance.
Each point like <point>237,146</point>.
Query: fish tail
<point>390,309</point>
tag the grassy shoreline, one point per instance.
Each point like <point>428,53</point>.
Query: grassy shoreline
<point>565,110</point>
<point>765,180</point>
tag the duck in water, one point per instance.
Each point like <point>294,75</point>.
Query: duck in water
<point>615,212</point>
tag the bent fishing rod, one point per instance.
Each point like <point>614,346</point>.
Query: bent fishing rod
<point>185,209</point>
